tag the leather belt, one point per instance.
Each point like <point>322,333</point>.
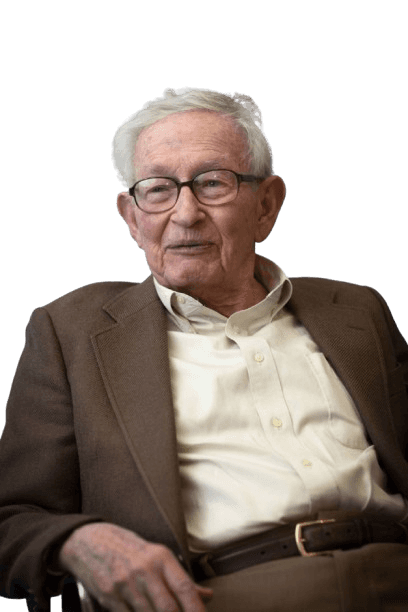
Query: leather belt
<point>310,538</point>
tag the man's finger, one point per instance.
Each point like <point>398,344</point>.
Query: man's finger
<point>148,596</point>
<point>186,592</point>
<point>115,605</point>
<point>205,593</point>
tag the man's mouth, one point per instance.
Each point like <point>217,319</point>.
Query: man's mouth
<point>190,245</point>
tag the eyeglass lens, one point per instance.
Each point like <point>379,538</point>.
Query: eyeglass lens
<point>211,188</point>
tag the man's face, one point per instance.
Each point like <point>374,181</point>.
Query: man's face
<point>194,248</point>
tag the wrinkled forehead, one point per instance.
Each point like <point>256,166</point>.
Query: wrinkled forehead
<point>190,136</point>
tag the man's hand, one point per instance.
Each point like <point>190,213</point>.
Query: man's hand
<point>126,573</point>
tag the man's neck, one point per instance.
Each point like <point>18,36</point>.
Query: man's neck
<point>233,302</point>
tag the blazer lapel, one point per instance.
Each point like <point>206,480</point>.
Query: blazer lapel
<point>133,358</point>
<point>349,340</point>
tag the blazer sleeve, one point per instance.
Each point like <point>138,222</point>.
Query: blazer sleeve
<point>40,495</point>
<point>395,351</point>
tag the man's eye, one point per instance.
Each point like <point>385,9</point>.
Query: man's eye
<point>159,188</point>
<point>212,183</point>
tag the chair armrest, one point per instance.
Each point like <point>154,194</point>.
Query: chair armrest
<point>75,598</point>
<point>87,603</point>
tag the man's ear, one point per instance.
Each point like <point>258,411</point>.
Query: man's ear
<point>271,193</point>
<point>126,207</point>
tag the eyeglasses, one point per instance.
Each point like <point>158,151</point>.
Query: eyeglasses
<point>212,188</point>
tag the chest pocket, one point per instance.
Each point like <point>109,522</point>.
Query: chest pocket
<point>343,421</point>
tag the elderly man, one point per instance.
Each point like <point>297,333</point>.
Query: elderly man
<point>168,443</point>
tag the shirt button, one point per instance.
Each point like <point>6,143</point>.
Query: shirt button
<point>276,422</point>
<point>181,299</point>
<point>306,463</point>
<point>259,357</point>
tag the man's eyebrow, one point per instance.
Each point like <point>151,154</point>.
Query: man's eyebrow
<point>161,170</point>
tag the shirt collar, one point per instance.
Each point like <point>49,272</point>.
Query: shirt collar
<point>189,315</point>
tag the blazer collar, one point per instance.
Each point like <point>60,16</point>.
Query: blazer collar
<point>132,300</point>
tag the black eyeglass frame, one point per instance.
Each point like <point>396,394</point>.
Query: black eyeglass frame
<point>241,178</point>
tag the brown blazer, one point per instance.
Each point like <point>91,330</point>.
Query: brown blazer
<point>90,431</point>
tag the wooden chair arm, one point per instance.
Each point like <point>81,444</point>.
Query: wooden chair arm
<point>87,603</point>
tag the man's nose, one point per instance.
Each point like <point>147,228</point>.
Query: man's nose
<point>187,210</point>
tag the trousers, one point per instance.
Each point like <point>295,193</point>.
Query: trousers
<point>373,578</point>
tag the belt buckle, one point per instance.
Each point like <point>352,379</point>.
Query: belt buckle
<point>300,540</point>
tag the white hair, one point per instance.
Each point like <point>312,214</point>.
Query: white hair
<point>241,108</point>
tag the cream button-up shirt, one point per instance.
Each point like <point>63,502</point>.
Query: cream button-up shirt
<point>266,431</point>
